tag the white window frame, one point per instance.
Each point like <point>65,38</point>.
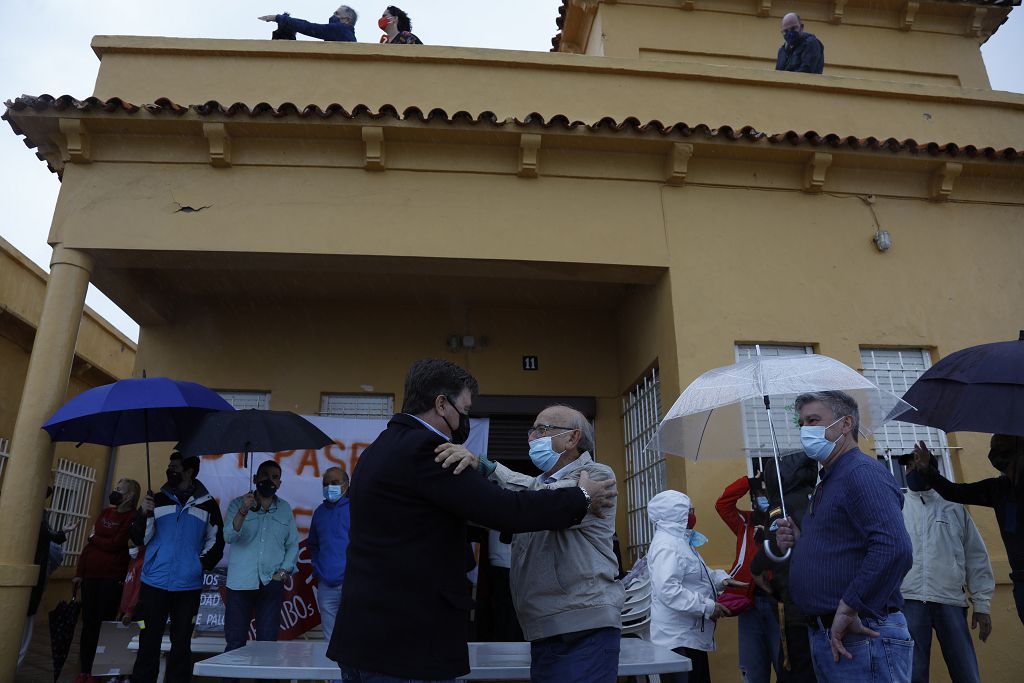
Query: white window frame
<point>243,400</point>
<point>757,438</point>
<point>896,369</point>
<point>646,473</point>
<point>363,406</point>
<point>73,485</point>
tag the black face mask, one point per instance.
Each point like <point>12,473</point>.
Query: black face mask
<point>115,498</point>
<point>174,477</point>
<point>460,433</point>
<point>266,488</point>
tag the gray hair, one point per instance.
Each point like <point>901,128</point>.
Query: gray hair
<point>840,403</point>
<point>579,421</point>
<point>347,14</point>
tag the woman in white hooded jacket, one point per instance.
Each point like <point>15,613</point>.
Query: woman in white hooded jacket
<point>684,590</point>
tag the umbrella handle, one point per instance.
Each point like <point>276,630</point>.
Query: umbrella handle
<point>772,555</point>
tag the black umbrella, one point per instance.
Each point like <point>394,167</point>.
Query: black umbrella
<point>63,619</point>
<point>977,389</point>
<point>249,431</point>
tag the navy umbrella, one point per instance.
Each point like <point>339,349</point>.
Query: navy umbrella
<point>977,389</point>
<point>249,431</point>
<point>134,411</point>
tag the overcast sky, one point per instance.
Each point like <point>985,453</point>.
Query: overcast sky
<point>46,50</point>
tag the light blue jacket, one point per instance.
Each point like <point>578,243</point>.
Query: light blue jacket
<point>268,541</point>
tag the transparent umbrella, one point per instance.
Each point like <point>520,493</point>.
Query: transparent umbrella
<point>767,378</point>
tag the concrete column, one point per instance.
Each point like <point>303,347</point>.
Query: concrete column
<point>28,469</point>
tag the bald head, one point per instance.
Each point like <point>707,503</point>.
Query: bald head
<point>336,475</point>
<point>791,22</point>
<point>580,436</point>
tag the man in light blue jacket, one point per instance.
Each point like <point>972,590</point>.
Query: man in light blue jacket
<point>264,547</point>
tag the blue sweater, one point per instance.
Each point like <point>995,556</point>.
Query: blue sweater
<point>854,545</point>
<point>334,29</point>
<point>328,542</point>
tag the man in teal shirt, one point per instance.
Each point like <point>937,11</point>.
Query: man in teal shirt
<point>264,547</point>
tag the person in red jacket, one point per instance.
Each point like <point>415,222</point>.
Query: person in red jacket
<point>102,567</point>
<point>759,625</point>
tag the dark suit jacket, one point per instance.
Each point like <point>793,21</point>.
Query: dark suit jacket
<point>405,601</point>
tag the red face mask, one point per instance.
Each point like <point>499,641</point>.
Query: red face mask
<point>383,23</point>
<point>691,521</point>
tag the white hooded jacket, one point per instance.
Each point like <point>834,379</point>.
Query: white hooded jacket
<point>684,589</point>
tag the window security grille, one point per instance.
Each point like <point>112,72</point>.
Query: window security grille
<point>357,405</point>
<point>645,467</point>
<point>72,494</point>
<point>896,370</point>
<point>246,400</point>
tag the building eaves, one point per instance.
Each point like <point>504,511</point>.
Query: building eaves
<point>557,122</point>
<point>556,40</point>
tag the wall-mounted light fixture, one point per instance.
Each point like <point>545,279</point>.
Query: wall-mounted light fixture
<point>882,240</point>
<point>466,342</point>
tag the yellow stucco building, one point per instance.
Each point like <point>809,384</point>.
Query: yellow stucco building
<point>602,223</point>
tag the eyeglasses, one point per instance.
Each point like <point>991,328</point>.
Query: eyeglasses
<point>540,429</point>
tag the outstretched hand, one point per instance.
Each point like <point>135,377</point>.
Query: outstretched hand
<point>269,17</point>
<point>602,493</point>
<point>922,457</point>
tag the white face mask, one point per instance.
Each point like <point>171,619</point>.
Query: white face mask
<point>816,446</point>
<point>133,552</point>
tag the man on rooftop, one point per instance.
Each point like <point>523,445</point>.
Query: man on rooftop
<point>802,51</point>
<point>340,27</point>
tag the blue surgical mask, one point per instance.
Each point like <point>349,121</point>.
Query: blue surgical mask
<point>697,539</point>
<point>762,503</point>
<point>332,493</point>
<point>543,454</point>
<point>815,445</point>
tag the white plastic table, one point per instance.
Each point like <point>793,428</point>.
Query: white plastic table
<point>307,660</point>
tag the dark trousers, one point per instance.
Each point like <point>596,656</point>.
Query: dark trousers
<point>506,621</point>
<point>581,657</point>
<point>155,606</point>
<point>1018,592</point>
<point>100,600</point>
<point>700,673</point>
<point>950,625</point>
<point>265,601</point>
<point>797,647</point>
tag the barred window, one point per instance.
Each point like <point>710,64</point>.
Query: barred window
<point>645,463</point>
<point>72,493</point>
<point>896,370</point>
<point>757,436</point>
<point>246,400</point>
<point>378,406</point>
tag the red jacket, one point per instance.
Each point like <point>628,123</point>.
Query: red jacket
<point>739,521</point>
<point>105,556</point>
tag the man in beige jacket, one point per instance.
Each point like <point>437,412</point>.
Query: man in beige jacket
<point>563,582</point>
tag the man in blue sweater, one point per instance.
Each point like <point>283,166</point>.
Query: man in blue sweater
<point>340,27</point>
<point>328,544</point>
<point>851,556</point>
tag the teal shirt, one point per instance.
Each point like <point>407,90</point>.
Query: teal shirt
<point>267,541</point>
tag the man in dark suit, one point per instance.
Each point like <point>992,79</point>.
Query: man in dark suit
<point>405,601</point>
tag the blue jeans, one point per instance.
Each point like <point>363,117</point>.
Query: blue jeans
<point>327,600</point>
<point>350,675</point>
<point>760,638</point>
<point>265,601</point>
<point>950,624</point>
<point>886,659</point>
<point>583,657</point>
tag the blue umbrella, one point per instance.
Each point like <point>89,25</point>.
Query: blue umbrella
<point>134,411</point>
<point>977,389</point>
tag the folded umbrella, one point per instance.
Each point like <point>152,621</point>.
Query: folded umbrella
<point>63,619</point>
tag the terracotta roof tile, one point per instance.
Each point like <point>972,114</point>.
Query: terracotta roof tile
<point>164,106</point>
